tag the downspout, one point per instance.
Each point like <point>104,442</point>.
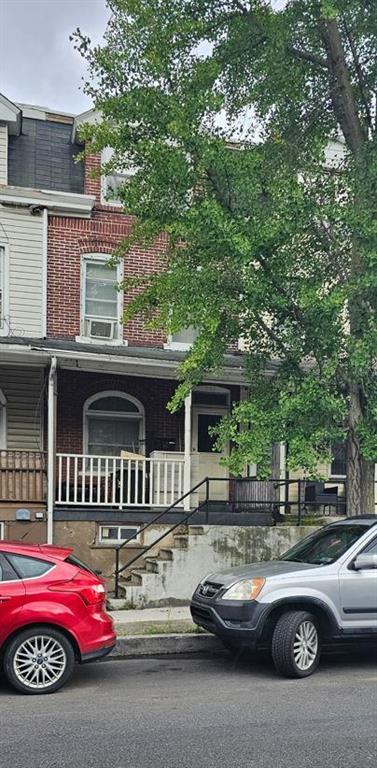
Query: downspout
<point>44,271</point>
<point>51,448</point>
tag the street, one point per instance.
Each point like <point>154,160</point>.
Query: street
<point>183,712</point>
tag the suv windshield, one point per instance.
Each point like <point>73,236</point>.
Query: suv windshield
<point>326,546</point>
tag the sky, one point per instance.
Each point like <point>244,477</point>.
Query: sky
<point>38,64</point>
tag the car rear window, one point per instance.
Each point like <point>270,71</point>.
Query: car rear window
<point>72,560</point>
<point>28,567</point>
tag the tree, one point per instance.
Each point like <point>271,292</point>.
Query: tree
<point>225,109</point>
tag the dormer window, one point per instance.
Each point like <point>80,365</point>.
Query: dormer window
<point>101,306</point>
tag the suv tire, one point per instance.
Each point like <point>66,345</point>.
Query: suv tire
<point>39,660</point>
<point>296,644</point>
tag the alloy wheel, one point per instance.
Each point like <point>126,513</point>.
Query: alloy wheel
<point>39,662</point>
<point>305,646</point>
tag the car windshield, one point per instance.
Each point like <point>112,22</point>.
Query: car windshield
<point>326,546</point>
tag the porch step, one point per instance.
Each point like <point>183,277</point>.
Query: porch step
<point>151,564</point>
<point>180,540</point>
<point>196,530</point>
<point>165,554</point>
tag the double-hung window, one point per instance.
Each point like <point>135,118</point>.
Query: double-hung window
<point>101,300</point>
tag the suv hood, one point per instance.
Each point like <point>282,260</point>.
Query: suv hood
<point>251,570</point>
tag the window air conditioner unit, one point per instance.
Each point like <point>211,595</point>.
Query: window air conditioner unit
<point>101,329</point>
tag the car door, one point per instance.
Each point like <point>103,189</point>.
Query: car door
<point>358,592</point>
<point>12,597</point>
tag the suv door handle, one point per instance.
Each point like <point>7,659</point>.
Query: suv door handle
<point>5,598</point>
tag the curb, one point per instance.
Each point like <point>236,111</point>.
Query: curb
<point>164,645</point>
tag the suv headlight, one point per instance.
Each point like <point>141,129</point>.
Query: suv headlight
<point>247,589</point>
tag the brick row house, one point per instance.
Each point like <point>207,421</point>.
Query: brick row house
<point>86,437</point>
<point>88,448</point>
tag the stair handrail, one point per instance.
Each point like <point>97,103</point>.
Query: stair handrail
<point>118,570</point>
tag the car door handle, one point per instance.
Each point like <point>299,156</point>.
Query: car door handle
<point>5,598</point>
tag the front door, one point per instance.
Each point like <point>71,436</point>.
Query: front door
<point>12,598</point>
<point>358,594</point>
<point>206,462</point>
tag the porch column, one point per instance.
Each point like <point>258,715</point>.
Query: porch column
<point>187,446</point>
<point>51,449</point>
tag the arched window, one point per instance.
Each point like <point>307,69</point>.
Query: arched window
<point>113,421</point>
<point>3,420</point>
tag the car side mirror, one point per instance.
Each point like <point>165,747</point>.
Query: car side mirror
<point>365,561</point>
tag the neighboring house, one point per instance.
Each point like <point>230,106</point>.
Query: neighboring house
<point>86,440</point>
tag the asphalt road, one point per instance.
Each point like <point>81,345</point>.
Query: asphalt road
<point>185,713</point>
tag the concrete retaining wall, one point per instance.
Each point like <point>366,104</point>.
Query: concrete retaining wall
<point>209,550</point>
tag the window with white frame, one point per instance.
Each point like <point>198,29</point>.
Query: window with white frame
<point>113,422</point>
<point>112,181</point>
<point>101,301</point>
<point>182,340</point>
<point>3,289</point>
<point>3,420</point>
<point>117,534</point>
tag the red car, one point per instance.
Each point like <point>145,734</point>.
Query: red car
<point>52,614</point>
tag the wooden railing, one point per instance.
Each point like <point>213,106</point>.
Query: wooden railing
<point>23,476</point>
<point>110,481</point>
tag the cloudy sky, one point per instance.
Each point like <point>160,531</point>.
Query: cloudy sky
<point>38,64</point>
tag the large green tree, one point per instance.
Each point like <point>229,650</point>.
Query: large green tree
<point>225,109</point>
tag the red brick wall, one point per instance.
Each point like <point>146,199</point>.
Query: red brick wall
<point>68,240</point>
<point>75,387</point>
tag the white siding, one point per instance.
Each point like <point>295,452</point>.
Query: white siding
<point>24,392</point>
<point>23,234</point>
<point>3,153</point>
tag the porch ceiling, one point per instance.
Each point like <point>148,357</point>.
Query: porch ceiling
<point>135,361</point>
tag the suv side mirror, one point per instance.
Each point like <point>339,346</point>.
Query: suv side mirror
<point>365,562</point>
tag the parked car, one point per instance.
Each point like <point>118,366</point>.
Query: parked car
<point>52,614</point>
<point>322,591</point>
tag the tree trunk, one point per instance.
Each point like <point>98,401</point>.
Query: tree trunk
<point>360,471</point>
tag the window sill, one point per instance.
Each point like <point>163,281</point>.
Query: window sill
<point>102,342</point>
<point>114,545</point>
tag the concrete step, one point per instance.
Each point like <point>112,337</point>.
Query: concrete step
<point>196,530</point>
<point>151,564</point>
<point>180,541</point>
<point>165,554</point>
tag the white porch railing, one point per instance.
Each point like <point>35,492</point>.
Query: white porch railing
<point>109,481</point>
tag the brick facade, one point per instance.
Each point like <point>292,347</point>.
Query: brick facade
<point>161,427</point>
<point>71,238</point>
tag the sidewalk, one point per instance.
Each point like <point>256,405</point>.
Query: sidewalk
<point>167,620</point>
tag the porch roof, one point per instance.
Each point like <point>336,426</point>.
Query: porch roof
<point>126,360</point>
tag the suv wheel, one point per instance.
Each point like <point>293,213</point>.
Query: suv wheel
<point>39,660</point>
<point>296,644</point>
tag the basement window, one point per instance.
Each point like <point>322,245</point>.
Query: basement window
<point>117,534</point>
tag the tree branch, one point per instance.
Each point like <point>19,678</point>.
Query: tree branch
<point>359,73</point>
<point>342,96</point>
<point>302,53</point>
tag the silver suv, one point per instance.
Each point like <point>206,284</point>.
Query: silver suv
<point>322,591</point>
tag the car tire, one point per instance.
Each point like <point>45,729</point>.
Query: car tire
<point>39,660</point>
<point>296,645</point>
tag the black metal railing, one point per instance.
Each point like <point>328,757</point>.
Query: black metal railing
<point>185,517</point>
<point>293,501</point>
